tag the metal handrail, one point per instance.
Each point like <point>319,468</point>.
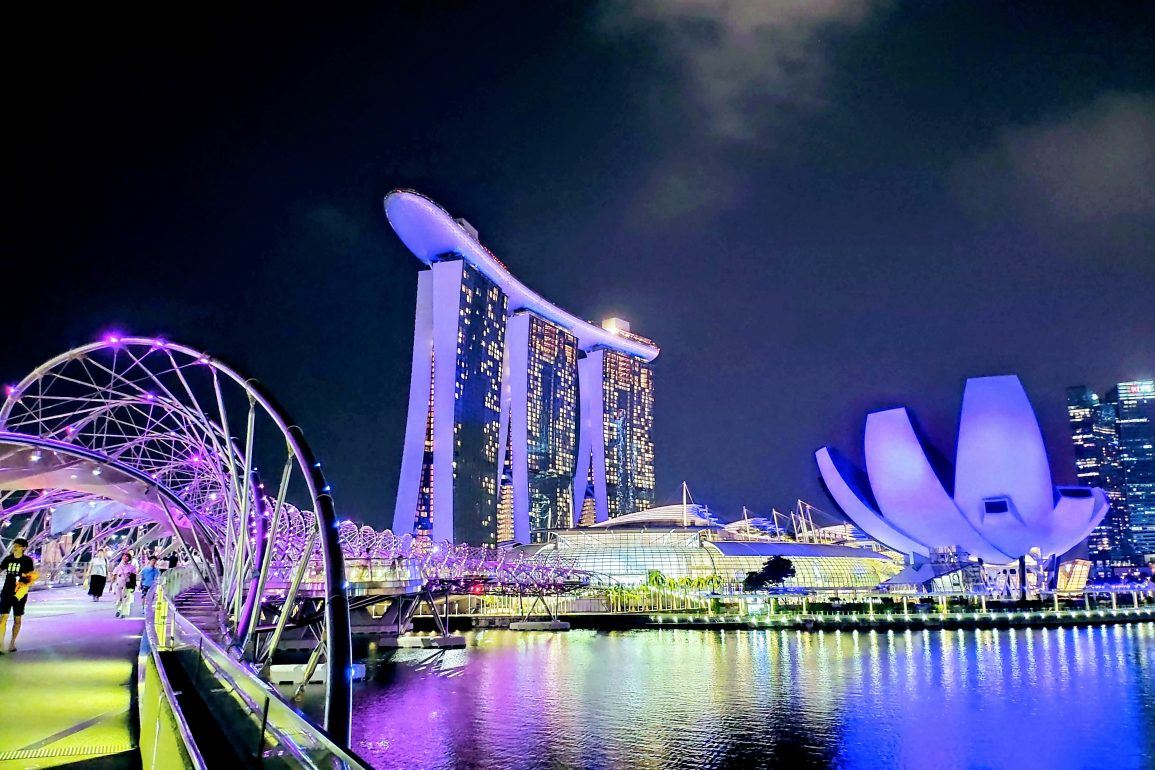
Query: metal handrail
<point>294,741</point>
<point>151,647</point>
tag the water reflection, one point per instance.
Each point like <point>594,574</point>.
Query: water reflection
<point>1054,698</point>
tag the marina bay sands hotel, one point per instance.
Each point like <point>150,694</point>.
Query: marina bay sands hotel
<point>522,417</point>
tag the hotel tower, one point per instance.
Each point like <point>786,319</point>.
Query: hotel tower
<point>522,417</point>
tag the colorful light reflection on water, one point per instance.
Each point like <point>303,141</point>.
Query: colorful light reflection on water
<point>1052,698</point>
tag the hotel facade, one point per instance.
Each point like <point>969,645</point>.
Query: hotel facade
<point>523,418</point>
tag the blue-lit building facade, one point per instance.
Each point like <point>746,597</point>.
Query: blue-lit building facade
<point>615,473</point>
<point>537,414</point>
<point>1114,445</point>
<point>455,398</point>
<point>1136,425</point>
<point>1095,440</point>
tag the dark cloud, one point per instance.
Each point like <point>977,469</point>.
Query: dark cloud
<point>1095,167</point>
<point>743,75</point>
<point>738,58</point>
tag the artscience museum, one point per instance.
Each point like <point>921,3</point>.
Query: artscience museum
<point>996,501</point>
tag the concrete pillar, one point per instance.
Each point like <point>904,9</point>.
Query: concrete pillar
<point>1135,599</point>
<point>983,602</point>
<point>1114,600</point>
<point>1022,578</point>
<point>1055,596</point>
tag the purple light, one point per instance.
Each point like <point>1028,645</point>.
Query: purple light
<point>113,338</point>
<point>999,503</point>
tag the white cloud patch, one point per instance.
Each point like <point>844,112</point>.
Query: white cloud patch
<point>746,63</point>
<point>1095,167</point>
<point>745,72</point>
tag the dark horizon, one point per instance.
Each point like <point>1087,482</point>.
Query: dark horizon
<point>814,210</point>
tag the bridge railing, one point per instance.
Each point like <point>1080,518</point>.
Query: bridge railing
<point>251,711</point>
<point>166,742</point>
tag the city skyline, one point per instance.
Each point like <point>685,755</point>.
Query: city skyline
<point>625,384</point>
<point>885,203</point>
<point>1114,444</point>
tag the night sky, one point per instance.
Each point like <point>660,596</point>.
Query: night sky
<point>815,208</point>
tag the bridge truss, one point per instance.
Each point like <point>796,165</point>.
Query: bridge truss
<point>149,439</point>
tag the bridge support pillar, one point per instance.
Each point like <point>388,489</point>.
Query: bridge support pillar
<point>448,642</point>
<point>539,625</point>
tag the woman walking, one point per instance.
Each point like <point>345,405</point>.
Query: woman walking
<point>125,577</point>
<point>97,574</point>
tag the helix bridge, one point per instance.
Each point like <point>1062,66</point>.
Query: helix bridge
<point>135,442</point>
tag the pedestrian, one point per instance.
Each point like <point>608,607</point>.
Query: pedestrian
<point>148,577</point>
<point>125,576</point>
<point>19,574</point>
<point>97,574</point>
<point>173,559</point>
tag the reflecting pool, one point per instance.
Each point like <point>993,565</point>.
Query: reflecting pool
<point>1046,698</point>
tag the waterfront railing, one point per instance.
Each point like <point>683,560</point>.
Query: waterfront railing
<point>251,712</point>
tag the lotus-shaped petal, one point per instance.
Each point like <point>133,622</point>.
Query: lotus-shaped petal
<point>997,503</point>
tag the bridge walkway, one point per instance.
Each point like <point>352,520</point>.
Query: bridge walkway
<point>67,695</point>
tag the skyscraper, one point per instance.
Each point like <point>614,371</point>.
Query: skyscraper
<point>450,459</point>
<point>617,444</point>
<point>1096,445</point>
<point>539,413</point>
<point>499,441</point>
<point>1135,428</point>
<point>1113,439</point>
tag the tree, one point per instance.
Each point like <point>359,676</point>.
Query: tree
<point>776,571</point>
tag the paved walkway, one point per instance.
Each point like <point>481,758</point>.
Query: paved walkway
<point>66,696</point>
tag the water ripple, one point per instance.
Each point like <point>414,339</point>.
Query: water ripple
<point>1064,699</point>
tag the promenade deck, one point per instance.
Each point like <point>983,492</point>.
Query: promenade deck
<point>66,697</point>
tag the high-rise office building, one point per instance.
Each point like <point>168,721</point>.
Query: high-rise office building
<point>1096,445</point>
<point>1113,439</point>
<point>495,440</point>
<point>1135,428</point>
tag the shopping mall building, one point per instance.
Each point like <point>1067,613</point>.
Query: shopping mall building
<point>685,542</point>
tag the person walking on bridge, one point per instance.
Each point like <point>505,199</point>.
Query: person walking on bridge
<point>148,577</point>
<point>97,574</point>
<point>125,577</point>
<point>19,573</point>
